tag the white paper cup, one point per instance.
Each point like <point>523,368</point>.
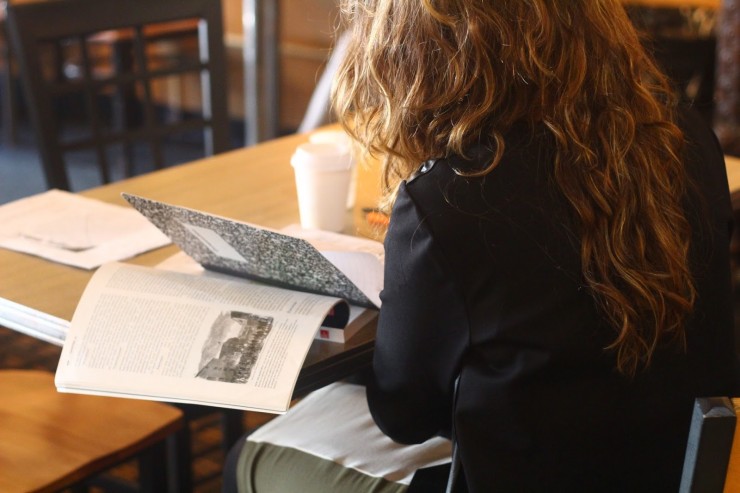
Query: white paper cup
<point>339,137</point>
<point>322,177</point>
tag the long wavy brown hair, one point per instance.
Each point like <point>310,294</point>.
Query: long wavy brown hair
<point>427,78</point>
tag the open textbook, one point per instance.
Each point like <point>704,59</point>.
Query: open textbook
<point>236,340</point>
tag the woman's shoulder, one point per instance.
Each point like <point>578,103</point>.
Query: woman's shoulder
<point>424,169</point>
<point>434,183</point>
<point>703,156</point>
<point>698,133</point>
<point>457,178</point>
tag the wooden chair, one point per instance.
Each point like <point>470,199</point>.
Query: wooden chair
<point>50,441</point>
<point>58,45</point>
<point>712,461</point>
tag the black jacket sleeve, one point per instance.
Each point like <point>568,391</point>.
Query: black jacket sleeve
<point>422,332</point>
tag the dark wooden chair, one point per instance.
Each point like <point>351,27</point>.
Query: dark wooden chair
<point>712,461</point>
<point>51,441</point>
<point>104,60</point>
<point>9,104</point>
<point>8,116</point>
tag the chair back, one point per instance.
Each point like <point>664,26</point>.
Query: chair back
<point>712,461</point>
<point>94,51</point>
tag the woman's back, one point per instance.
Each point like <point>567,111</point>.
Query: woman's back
<point>540,404</point>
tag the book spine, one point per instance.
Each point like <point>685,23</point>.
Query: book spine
<point>330,334</point>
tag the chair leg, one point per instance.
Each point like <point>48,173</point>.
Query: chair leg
<point>179,461</point>
<point>153,469</point>
<point>232,428</point>
<point>9,113</point>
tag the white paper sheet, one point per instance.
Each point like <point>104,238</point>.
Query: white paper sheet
<point>75,230</point>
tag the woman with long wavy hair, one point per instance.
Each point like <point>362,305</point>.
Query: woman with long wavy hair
<point>558,246</point>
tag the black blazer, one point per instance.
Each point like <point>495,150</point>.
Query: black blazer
<point>483,279</point>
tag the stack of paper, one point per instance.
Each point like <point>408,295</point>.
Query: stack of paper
<point>75,230</point>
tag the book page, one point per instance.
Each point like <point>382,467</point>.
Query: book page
<point>181,262</point>
<point>360,259</point>
<point>155,334</point>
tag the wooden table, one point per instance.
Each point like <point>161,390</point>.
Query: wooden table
<point>254,184</point>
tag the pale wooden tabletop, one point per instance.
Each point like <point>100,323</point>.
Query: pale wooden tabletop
<point>254,184</point>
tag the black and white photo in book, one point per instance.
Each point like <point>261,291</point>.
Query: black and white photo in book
<point>233,346</point>
<point>257,253</point>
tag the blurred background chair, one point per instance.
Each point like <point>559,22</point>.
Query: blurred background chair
<point>50,441</point>
<point>683,42</point>
<point>110,64</point>
<point>8,110</point>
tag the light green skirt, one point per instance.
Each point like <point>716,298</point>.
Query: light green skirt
<point>328,443</point>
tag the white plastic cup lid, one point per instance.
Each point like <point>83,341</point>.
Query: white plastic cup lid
<point>331,137</point>
<point>322,156</point>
